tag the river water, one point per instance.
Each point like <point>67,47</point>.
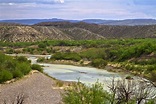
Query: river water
<point>87,75</point>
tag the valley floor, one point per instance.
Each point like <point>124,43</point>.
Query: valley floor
<point>35,88</point>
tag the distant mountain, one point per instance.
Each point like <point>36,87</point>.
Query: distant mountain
<point>35,21</point>
<point>127,22</point>
<point>132,22</point>
<point>31,21</point>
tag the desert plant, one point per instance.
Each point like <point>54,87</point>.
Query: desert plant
<point>100,63</point>
<point>37,67</point>
<point>81,94</point>
<point>5,75</point>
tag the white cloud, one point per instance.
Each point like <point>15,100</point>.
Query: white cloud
<point>59,1</point>
<point>32,1</point>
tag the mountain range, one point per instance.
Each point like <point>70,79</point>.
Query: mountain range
<point>127,22</point>
<point>64,30</point>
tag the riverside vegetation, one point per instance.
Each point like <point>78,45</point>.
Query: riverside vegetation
<point>137,56</point>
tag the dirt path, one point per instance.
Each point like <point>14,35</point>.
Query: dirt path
<point>36,88</point>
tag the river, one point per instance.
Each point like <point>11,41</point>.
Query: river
<point>87,75</point>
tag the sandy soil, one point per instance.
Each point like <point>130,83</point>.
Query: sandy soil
<point>36,88</point>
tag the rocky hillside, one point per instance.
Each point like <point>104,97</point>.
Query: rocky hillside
<point>109,31</point>
<point>72,31</point>
<point>19,33</point>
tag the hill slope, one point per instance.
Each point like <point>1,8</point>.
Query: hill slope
<point>13,33</point>
<point>19,34</point>
<point>109,31</point>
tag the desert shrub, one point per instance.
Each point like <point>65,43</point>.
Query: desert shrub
<point>152,76</point>
<point>151,68</point>
<point>40,59</point>
<point>37,67</point>
<point>93,53</point>
<point>5,75</point>
<point>10,64</point>
<point>24,68</point>
<point>59,83</point>
<point>72,56</point>
<point>17,74</point>
<point>120,92</point>
<point>13,67</point>
<point>22,59</point>
<point>42,45</point>
<point>100,63</point>
<point>66,56</point>
<point>81,94</point>
<point>151,61</point>
<point>30,50</point>
<point>10,51</point>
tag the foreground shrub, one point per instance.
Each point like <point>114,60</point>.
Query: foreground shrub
<point>81,94</point>
<point>5,75</point>
<point>37,67</point>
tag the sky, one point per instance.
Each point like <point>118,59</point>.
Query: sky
<point>78,9</point>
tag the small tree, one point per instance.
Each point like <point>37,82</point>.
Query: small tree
<point>131,91</point>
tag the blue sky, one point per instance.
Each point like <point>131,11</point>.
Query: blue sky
<point>77,9</point>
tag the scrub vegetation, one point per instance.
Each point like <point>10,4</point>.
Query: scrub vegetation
<point>15,67</point>
<point>120,92</point>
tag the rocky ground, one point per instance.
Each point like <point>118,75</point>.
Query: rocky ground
<point>35,88</point>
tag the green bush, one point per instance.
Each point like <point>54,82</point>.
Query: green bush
<point>24,68</point>
<point>5,75</point>
<point>17,74</point>
<point>100,63</point>
<point>120,92</point>
<point>93,53</point>
<point>81,94</point>
<point>66,56</point>
<point>42,45</point>
<point>37,67</point>
<point>13,67</point>
<point>22,59</point>
<point>40,59</point>
<point>152,76</point>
